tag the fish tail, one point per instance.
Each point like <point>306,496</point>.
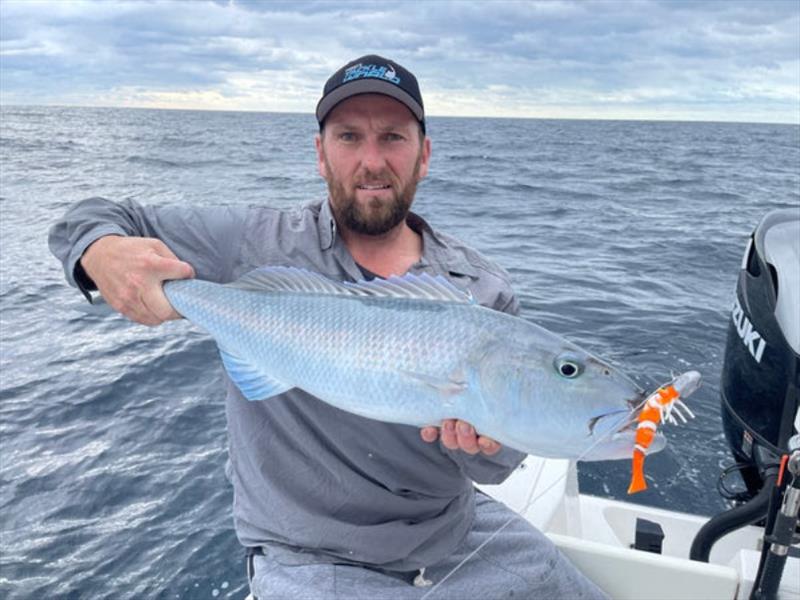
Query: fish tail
<point>638,482</point>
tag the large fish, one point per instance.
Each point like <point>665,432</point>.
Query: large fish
<point>414,350</point>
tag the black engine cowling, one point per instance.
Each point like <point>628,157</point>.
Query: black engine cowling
<point>759,388</point>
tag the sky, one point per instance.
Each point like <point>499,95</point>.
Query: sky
<point>715,60</point>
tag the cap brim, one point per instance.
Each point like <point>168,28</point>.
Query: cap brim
<point>367,86</point>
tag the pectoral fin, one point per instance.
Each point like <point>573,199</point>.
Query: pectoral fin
<point>253,384</point>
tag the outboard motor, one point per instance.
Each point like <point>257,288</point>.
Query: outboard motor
<point>759,388</point>
<point>760,371</point>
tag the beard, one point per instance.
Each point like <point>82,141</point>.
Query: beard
<point>376,215</point>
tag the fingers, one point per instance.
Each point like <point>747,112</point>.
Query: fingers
<point>143,315</point>
<point>129,301</point>
<point>129,273</point>
<point>429,434</point>
<point>153,297</point>
<point>467,438</point>
<point>448,433</point>
<point>155,302</point>
<point>460,435</point>
<point>488,445</point>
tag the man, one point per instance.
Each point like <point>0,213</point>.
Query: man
<point>332,505</point>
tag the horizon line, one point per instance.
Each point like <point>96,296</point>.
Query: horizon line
<point>434,115</point>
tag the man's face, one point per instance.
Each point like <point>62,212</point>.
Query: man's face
<point>372,156</point>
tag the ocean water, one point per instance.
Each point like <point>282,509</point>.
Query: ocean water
<point>625,237</point>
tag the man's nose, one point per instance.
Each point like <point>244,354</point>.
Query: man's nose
<point>372,157</point>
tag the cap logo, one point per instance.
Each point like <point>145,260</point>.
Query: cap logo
<point>361,71</point>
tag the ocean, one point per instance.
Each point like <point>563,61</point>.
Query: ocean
<point>624,236</point>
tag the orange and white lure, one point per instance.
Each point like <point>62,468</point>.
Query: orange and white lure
<point>660,407</point>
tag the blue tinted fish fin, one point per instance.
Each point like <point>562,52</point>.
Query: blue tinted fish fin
<point>424,286</point>
<point>288,279</point>
<point>253,384</point>
<point>291,279</point>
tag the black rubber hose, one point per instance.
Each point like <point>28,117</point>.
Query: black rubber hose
<point>731,520</point>
<point>772,513</point>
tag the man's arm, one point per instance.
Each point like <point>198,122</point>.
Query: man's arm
<point>126,251</point>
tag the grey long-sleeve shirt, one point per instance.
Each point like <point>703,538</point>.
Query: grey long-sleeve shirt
<point>305,474</point>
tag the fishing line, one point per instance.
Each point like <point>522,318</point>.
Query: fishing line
<point>531,500</point>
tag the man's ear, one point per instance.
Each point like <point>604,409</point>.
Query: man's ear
<point>425,159</point>
<point>321,166</point>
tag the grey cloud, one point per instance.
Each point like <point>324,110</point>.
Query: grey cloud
<point>613,49</point>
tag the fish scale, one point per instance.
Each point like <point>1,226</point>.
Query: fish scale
<point>415,350</point>
<point>336,360</point>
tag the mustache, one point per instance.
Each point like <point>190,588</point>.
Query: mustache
<point>371,178</point>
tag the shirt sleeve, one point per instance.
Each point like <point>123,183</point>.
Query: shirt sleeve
<point>201,236</point>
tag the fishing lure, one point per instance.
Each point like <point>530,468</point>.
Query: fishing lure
<point>660,407</point>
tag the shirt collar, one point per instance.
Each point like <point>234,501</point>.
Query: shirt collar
<point>437,251</point>
<point>326,226</point>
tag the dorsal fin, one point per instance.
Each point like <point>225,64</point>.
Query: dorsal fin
<point>292,279</point>
<point>422,286</point>
<point>287,279</point>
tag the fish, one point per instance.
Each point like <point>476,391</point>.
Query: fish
<point>415,350</point>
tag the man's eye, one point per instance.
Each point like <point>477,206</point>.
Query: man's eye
<point>347,136</point>
<point>394,137</point>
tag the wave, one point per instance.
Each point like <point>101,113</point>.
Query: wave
<point>150,161</point>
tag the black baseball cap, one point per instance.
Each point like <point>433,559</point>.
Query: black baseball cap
<point>372,74</point>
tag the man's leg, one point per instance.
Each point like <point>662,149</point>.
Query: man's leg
<point>519,562</point>
<point>280,574</point>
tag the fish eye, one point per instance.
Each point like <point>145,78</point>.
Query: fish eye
<point>568,368</point>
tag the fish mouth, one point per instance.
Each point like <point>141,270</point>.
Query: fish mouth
<point>635,405</point>
<point>618,421</point>
<point>637,400</point>
<point>614,432</point>
<point>612,422</point>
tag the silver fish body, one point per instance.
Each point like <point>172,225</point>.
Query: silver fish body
<point>414,350</point>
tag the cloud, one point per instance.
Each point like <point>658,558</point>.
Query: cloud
<point>644,58</point>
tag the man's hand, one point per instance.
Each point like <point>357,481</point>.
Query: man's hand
<point>129,272</point>
<point>460,435</point>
